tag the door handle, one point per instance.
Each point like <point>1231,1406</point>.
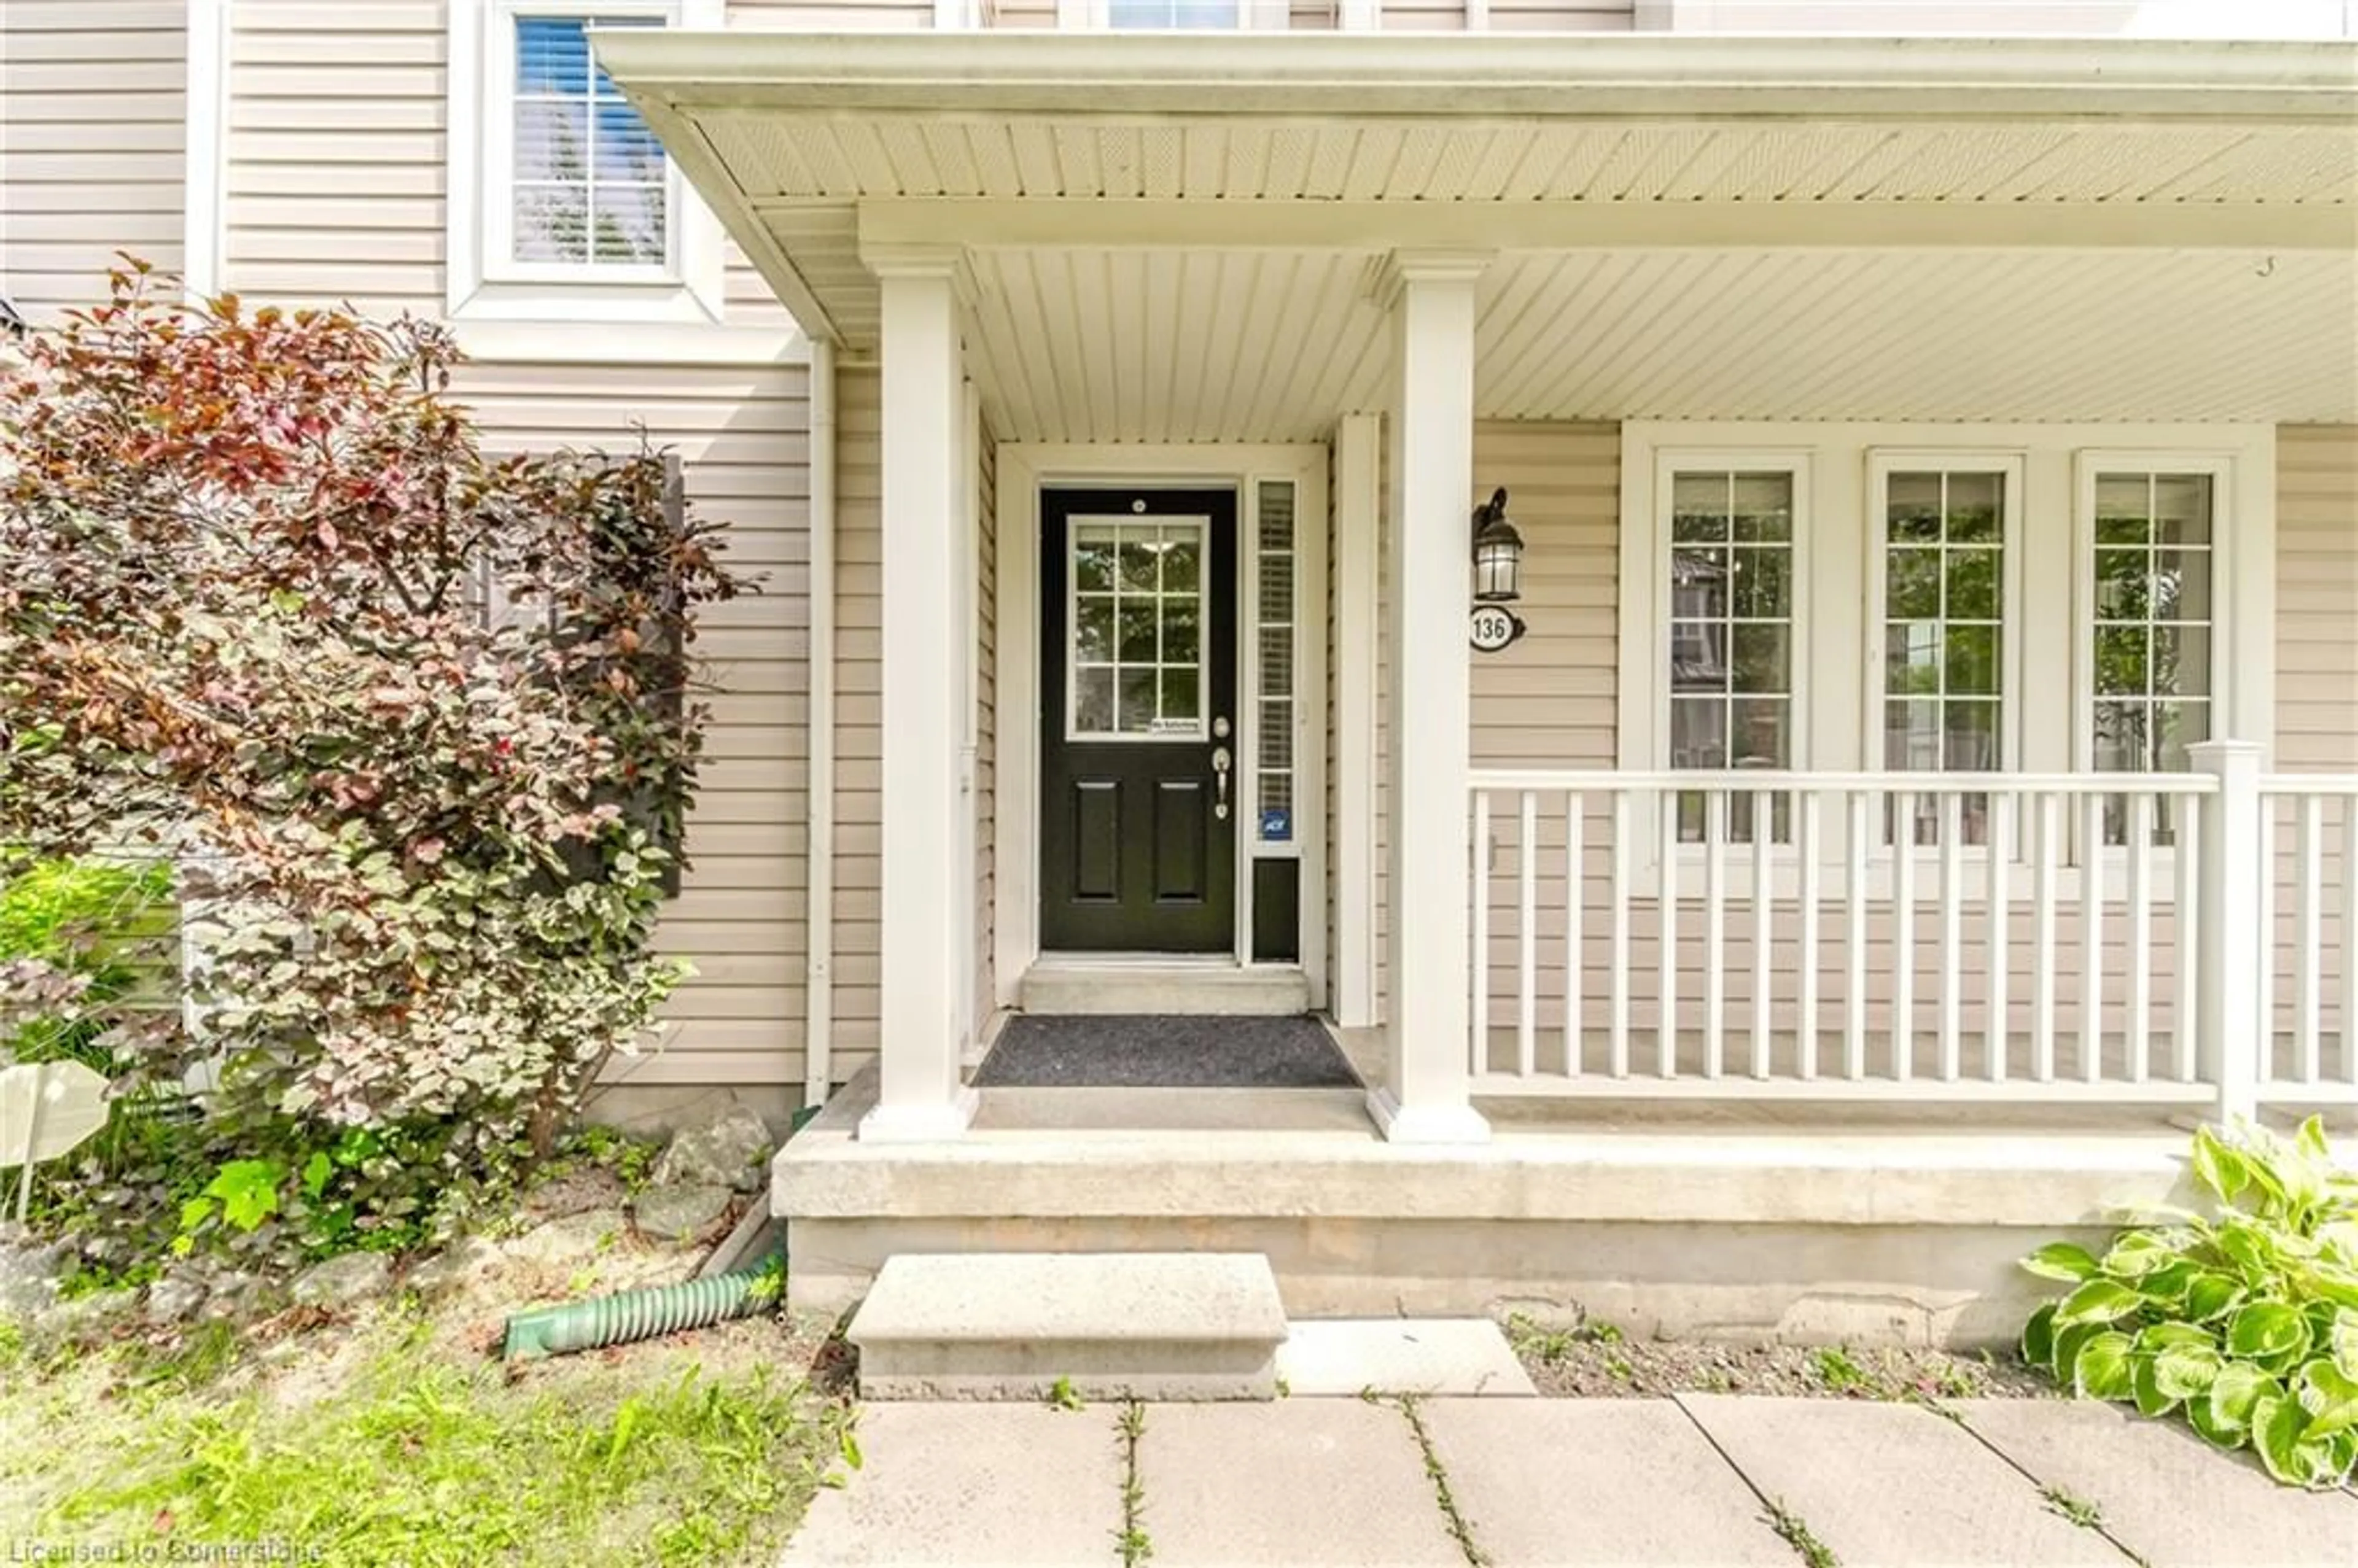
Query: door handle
<point>1220,782</point>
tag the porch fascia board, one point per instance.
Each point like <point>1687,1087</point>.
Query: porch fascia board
<point>1378,227</point>
<point>1551,77</point>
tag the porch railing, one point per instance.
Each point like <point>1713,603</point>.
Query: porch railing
<point>2178,938</point>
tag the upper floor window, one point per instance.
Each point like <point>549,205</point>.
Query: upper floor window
<point>588,179</point>
<point>563,205</point>
<point>1172,16</point>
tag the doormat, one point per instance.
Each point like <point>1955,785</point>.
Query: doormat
<point>1165,1051</point>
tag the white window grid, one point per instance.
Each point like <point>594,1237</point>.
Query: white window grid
<point>1158,534</point>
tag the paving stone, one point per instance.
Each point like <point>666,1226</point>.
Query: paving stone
<point>1301,1483</point>
<point>2164,1493</point>
<point>1400,1355</point>
<point>972,1485</point>
<point>1575,1483</point>
<point>1892,1486</point>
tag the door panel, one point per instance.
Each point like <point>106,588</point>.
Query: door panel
<point>1138,704</point>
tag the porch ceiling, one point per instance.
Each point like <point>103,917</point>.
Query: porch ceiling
<point>1169,239</point>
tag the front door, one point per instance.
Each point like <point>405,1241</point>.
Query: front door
<point>1139,784</point>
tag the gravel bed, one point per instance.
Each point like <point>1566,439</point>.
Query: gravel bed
<point>1594,1361</point>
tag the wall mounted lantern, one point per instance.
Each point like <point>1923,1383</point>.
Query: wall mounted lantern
<point>1497,553</point>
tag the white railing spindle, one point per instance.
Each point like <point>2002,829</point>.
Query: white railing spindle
<point>2347,866</point>
<point>1618,1029</point>
<point>2092,937</point>
<point>1666,920</point>
<point>1479,1042</point>
<point>2192,920</point>
<point>2042,939</point>
<point>1997,1032</point>
<point>1527,934</point>
<point>1903,936</point>
<point>1854,872</point>
<point>2140,916</point>
<point>2309,938</point>
<point>1714,932</point>
<point>1764,908</point>
<point>1805,1027</point>
<point>1952,928</point>
<point>1575,882</point>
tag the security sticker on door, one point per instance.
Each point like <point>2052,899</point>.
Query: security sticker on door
<point>1491,627</point>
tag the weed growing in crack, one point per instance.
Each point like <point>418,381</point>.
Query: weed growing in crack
<point>1133,1541</point>
<point>1796,1533</point>
<point>1459,1530</point>
<point>2078,1509</point>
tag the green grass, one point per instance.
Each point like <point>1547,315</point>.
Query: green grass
<point>402,1455</point>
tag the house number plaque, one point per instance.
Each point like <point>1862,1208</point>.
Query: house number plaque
<point>1491,627</point>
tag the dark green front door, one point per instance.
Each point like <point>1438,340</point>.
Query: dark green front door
<point>1138,664</point>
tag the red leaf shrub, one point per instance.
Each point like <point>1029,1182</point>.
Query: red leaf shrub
<point>417,722</point>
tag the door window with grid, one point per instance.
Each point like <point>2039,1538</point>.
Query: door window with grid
<point>1137,644</point>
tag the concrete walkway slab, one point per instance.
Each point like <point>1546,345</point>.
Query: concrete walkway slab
<point>1586,1483</point>
<point>1892,1486</point>
<point>972,1485</point>
<point>1299,1484</point>
<point>1400,1355</point>
<point>2164,1493</point>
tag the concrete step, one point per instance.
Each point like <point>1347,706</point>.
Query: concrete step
<point>1015,1326</point>
<point>1100,986</point>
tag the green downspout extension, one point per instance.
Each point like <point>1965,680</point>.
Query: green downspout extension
<point>629,1315</point>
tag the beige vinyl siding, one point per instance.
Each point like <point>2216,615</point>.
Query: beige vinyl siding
<point>92,145</point>
<point>986,697</point>
<point>742,435</point>
<point>859,735</point>
<point>334,185</point>
<point>2316,681</point>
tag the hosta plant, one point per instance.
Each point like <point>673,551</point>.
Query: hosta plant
<point>2245,1321</point>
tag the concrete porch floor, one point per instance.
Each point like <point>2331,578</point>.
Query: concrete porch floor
<point>1808,1224</point>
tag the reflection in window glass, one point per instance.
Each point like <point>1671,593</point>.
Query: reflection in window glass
<point>1731,632</point>
<point>589,177</point>
<point>1171,16</point>
<point>2150,652</point>
<point>1136,642</point>
<point>1944,634</point>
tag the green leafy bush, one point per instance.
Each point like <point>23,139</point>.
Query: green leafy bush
<point>92,926</point>
<point>2245,1321</point>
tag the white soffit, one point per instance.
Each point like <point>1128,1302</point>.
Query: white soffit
<point>1144,346</point>
<point>1169,237</point>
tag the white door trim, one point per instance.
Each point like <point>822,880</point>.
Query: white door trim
<point>1024,469</point>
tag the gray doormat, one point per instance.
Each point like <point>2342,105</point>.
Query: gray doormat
<point>1164,1051</point>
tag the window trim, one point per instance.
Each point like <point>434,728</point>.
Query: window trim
<point>2048,587</point>
<point>482,282</point>
<point>2225,565</point>
<point>1097,17</point>
<point>1882,462</point>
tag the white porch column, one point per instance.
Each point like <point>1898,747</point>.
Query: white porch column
<point>1429,296</point>
<point>2236,930</point>
<point>921,1096</point>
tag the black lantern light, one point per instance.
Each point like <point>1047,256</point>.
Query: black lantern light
<point>1497,553</point>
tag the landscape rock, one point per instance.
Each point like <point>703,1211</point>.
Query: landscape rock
<point>29,1276</point>
<point>176,1298</point>
<point>85,1317</point>
<point>231,1295</point>
<point>729,1150</point>
<point>572,1239</point>
<point>681,1211</point>
<point>463,1260</point>
<point>343,1282</point>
